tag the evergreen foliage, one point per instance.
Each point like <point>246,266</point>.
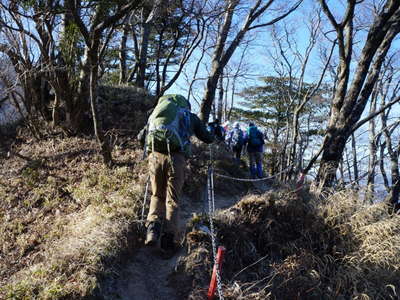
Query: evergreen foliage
<point>271,104</point>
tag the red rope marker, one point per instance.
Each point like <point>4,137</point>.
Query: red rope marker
<point>213,282</point>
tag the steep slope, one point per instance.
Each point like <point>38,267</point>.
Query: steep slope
<point>64,217</point>
<point>280,246</point>
<point>72,229</point>
<point>146,275</point>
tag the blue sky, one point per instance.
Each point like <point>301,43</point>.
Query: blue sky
<point>259,62</point>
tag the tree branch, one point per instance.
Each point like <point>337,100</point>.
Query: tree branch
<point>373,115</point>
<point>292,9</point>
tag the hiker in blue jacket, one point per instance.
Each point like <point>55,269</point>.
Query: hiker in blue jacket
<point>254,139</point>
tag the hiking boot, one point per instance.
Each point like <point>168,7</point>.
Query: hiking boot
<point>168,245</point>
<point>153,234</point>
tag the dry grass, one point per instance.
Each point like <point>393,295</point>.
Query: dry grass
<point>281,247</point>
<point>65,219</point>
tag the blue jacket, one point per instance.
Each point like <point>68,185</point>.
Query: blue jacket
<point>250,148</point>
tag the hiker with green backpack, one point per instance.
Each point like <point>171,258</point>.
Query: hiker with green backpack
<point>254,139</point>
<point>166,138</point>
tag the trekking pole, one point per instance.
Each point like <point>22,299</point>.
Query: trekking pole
<point>145,142</point>
<point>144,153</point>
<point>146,191</point>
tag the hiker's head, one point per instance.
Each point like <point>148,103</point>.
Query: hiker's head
<point>236,125</point>
<point>216,121</point>
<point>251,124</point>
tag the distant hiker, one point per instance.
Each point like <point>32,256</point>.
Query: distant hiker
<point>216,128</point>
<point>167,138</point>
<point>255,143</point>
<point>235,141</point>
<point>226,126</point>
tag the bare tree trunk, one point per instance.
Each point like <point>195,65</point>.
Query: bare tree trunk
<point>217,66</point>
<point>221,56</point>
<point>286,159</point>
<point>355,161</point>
<point>275,154</point>
<point>93,36</point>
<point>348,165</point>
<point>306,144</point>
<point>144,46</point>
<point>293,148</point>
<point>220,104</point>
<point>332,154</point>
<point>393,197</point>
<point>225,103</point>
<point>341,171</point>
<point>232,97</point>
<point>105,148</point>
<point>55,115</point>
<point>157,69</point>
<point>349,102</point>
<point>393,152</point>
<point>372,153</point>
<point>214,111</point>
<point>382,166</point>
<point>123,76</point>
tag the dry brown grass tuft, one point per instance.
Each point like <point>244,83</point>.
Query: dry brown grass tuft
<point>372,261</point>
<point>66,219</point>
<point>280,247</point>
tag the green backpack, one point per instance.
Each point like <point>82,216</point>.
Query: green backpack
<point>169,125</point>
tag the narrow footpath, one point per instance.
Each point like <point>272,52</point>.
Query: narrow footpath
<point>146,275</point>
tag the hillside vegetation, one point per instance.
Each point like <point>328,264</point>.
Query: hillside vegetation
<point>65,217</point>
<point>68,222</point>
<point>306,91</point>
<point>280,246</point>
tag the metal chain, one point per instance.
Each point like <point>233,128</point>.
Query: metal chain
<point>212,189</point>
<point>210,150</point>
<point>211,210</point>
<point>252,180</point>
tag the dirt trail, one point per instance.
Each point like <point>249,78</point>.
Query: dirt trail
<point>145,276</point>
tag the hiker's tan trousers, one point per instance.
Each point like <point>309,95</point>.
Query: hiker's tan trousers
<point>167,178</point>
